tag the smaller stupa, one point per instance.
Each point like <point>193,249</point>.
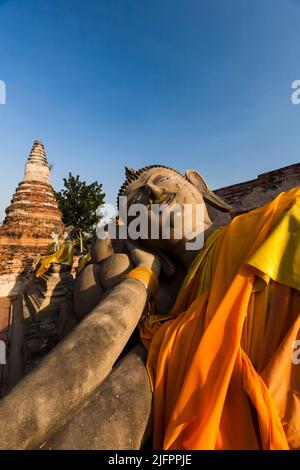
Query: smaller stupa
<point>31,219</point>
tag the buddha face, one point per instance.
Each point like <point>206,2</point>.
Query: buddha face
<point>183,199</point>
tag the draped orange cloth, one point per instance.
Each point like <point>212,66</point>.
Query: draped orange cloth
<point>63,255</point>
<point>221,367</point>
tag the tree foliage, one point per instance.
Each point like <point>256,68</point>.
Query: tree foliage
<point>79,202</point>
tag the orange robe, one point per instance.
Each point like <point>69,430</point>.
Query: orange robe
<point>63,255</point>
<point>221,368</point>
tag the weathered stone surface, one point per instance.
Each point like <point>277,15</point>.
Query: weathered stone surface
<point>48,292</point>
<point>45,299</point>
<point>117,416</point>
<point>16,358</point>
<point>47,396</point>
<point>87,290</point>
<point>113,269</point>
<point>100,249</point>
<point>30,219</point>
<point>66,321</point>
<point>251,194</point>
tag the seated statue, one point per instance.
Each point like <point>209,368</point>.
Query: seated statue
<point>58,258</point>
<point>219,324</point>
<point>83,261</point>
<point>51,248</point>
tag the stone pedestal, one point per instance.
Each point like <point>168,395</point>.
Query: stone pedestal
<point>44,295</point>
<point>47,303</point>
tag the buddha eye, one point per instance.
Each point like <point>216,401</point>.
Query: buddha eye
<point>168,197</point>
<point>165,198</point>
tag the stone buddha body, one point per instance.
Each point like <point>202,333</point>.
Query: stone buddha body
<point>109,307</point>
<point>218,383</point>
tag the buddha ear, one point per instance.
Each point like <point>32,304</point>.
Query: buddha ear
<point>208,195</point>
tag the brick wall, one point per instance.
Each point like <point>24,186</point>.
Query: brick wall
<point>254,193</point>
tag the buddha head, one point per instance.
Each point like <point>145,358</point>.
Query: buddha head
<point>160,185</point>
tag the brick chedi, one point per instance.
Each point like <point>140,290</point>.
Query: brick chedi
<point>30,220</point>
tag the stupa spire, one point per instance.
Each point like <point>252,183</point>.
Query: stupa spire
<point>30,220</point>
<point>37,168</point>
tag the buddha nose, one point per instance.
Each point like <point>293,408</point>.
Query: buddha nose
<point>156,191</point>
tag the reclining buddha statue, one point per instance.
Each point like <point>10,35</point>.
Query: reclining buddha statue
<point>219,325</point>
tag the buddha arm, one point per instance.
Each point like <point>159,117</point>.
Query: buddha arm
<point>117,415</point>
<point>42,401</point>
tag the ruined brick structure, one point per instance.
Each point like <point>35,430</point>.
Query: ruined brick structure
<point>30,219</point>
<point>26,232</point>
<point>249,195</point>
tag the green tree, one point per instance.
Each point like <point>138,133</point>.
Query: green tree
<point>79,202</point>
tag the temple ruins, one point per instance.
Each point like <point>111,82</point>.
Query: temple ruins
<point>31,219</point>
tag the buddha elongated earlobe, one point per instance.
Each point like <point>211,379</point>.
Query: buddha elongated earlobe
<point>208,195</point>
<point>155,190</point>
<point>211,198</point>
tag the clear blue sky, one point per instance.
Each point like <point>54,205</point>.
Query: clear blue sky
<point>187,83</point>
